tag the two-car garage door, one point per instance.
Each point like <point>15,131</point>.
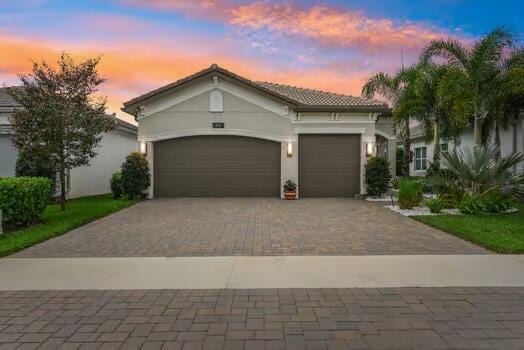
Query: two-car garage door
<point>234,166</point>
<point>217,166</point>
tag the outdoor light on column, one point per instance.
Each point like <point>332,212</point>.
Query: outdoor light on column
<point>369,149</point>
<point>143,147</point>
<point>289,150</point>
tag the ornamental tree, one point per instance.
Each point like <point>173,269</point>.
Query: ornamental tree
<point>60,115</point>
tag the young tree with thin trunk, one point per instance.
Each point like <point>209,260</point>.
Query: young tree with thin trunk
<point>59,114</point>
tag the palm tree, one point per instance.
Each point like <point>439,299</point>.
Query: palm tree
<point>508,96</point>
<point>392,88</point>
<point>476,70</point>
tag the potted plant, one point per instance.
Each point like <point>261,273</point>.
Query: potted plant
<point>290,190</point>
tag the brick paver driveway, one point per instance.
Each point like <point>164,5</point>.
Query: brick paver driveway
<point>403,318</point>
<point>252,226</point>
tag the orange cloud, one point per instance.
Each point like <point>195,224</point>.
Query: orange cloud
<point>131,71</point>
<point>333,26</point>
<point>328,25</point>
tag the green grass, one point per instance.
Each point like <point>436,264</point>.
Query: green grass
<point>503,233</point>
<point>78,212</point>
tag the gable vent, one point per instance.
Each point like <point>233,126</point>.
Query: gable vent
<point>216,103</point>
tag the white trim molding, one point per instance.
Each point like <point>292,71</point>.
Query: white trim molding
<point>384,134</point>
<point>226,132</point>
<point>323,130</point>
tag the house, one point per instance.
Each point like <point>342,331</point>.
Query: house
<point>83,181</point>
<point>512,140</point>
<point>215,133</point>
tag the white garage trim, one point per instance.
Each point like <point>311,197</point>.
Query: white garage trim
<point>322,130</point>
<point>228,132</point>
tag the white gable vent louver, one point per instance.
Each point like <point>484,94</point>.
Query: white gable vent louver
<point>216,101</point>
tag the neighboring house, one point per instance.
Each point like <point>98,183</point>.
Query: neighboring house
<point>215,133</point>
<point>512,140</point>
<point>85,180</point>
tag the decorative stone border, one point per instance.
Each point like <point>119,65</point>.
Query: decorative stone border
<point>421,211</point>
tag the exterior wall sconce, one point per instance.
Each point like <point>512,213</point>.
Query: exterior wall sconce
<point>369,149</point>
<point>143,147</point>
<point>289,150</point>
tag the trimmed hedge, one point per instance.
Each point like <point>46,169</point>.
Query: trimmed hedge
<point>23,199</point>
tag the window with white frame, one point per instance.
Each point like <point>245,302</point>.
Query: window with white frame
<point>420,158</point>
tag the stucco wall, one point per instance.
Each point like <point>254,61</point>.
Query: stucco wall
<point>507,141</point>
<point>245,113</point>
<point>7,156</point>
<point>94,179</point>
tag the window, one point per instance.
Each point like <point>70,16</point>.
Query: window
<point>420,158</point>
<point>444,147</point>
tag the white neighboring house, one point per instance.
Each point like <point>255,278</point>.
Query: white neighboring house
<point>512,140</point>
<point>83,181</point>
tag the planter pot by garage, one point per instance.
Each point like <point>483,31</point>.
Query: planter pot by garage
<point>290,195</point>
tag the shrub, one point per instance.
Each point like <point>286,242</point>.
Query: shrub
<point>135,175</point>
<point>409,194</point>
<point>497,202</point>
<point>471,204</point>
<point>23,199</point>
<point>116,185</point>
<point>436,204</point>
<point>290,186</point>
<point>378,176</point>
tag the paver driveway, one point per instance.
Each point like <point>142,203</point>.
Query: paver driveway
<point>252,226</point>
<point>382,318</point>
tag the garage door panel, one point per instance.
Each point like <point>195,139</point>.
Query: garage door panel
<point>329,165</point>
<point>217,166</point>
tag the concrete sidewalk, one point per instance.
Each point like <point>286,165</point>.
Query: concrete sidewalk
<point>262,272</point>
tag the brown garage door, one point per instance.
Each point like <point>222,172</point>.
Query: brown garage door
<point>329,165</point>
<point>217,166</point>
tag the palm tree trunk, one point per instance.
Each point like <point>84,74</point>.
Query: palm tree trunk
<point>407,148</point>
<point>436,146</point>
<point>497,138</point>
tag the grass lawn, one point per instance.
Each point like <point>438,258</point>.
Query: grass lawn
<point>499,233</point>
<point>78,212</point>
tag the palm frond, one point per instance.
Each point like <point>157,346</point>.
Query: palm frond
<point>381,84</point>
<point>450,49</point>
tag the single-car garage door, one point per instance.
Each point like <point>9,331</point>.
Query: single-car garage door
<point>329,165</point>
<point>217,166</point>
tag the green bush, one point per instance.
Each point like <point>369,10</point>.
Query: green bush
<point>471,204</point>
<point>409,194</point>
<point>378,176</point>
<point>135,175</point>
<point>116,185</point>
<point>436,204</point>
<point>497,202</point>
<point>23,199</point>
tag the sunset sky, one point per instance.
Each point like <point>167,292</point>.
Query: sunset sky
<point>329,45</point>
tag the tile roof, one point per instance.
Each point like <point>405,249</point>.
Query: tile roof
<point>310,97</point>
<point>299,97</point>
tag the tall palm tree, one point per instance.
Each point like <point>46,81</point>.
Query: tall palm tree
<point>476,70</point>
<point>392,88</point>
<point>508,95</point>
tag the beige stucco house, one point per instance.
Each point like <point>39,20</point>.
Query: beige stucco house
<point>215,133</point>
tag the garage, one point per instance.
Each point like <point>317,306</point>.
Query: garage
<point>329,165</point>
<point>217,166</point>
